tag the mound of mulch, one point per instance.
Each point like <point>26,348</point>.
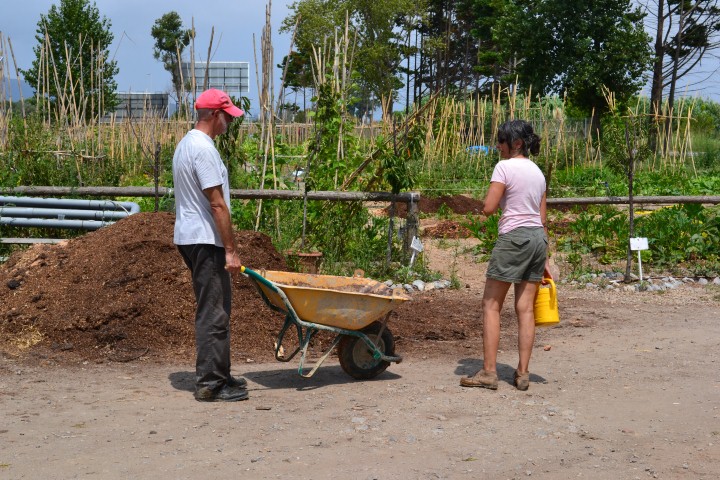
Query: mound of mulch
<point>459,204</point>
<point>123,293</point>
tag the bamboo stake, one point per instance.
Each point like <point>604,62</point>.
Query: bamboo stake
<point>17,77</point>
<point>689,139</point>
<point>206,80</point>
<point>265,105</point>
<point>269,62</point>
<point>281,97</point>
<point>46,85</point>
<point>193,80</point>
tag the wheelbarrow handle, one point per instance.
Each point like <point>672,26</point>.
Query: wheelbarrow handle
<point>257,277</point>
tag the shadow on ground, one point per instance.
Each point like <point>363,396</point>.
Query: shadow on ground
<point>286,378</point>
<point>506,373</point>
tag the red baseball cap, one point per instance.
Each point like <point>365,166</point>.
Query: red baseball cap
<point>214,99</point>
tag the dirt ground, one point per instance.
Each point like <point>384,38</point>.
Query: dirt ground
<point>96,378</point>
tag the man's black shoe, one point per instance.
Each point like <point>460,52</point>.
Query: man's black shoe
<point>238,382</point>
<point>225,394</point>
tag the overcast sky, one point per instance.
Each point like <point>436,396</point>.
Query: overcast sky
<point>235,23</point>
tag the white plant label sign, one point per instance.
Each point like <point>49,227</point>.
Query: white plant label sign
<point>638,243</point>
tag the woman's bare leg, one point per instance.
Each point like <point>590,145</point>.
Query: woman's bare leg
<point>524,303</point>
<point>493,299</point>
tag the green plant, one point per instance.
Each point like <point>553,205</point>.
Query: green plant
<point>709,185</point>
<point>686,233</point>
<point>396,162</point>
<point>623,136</point>
<point>243,214</point>
<point>333,150</point>
<point>444,211</point>
<point>486,231</point>
<point>706,148</point>
<point>602,231</point>
<point>705,268</point>
<point>578,267</point>
<point>455,282</point>
<point>418,271</point>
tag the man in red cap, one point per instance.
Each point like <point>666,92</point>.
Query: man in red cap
<point>205,239</point>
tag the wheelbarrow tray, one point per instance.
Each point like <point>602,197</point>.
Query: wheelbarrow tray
<point>350,303</point>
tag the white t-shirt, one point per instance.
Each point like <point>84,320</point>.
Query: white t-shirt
<point>524,188</point>
<point>196,166</point>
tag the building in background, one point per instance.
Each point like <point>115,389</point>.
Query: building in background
<point>230,77</point>
<point>142,105</point>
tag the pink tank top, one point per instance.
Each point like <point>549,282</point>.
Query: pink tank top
<point>524,188</point>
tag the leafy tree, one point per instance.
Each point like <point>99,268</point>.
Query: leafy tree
<point>170,42</point>
<point>298,76</point>
<point>449,48</point>
<point>686,31</point>
<point>378,49</point>
<point>72,50</point>
<point>578,48</point>
<point>316,22</point>
<point>494,66</point>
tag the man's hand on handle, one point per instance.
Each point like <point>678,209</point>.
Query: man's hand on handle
<point>232,262</point>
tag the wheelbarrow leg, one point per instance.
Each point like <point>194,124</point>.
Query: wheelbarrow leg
<point>281,335</point>
<point>377,354</point>
<point>320,360</point>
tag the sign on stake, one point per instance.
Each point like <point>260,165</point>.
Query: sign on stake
<point>416,247</point>
<point>639,243</point>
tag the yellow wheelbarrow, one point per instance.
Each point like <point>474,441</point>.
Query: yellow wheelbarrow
<point>354,308</point>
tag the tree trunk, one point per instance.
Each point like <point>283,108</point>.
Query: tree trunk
<point>656,92</point>
<point>631,207</point>
<point>673,80</point>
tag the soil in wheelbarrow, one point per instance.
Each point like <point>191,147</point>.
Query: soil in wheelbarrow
<point>123,293</point>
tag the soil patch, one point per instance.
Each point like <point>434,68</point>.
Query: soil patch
<point>459,204</point>
<point>446,229</point>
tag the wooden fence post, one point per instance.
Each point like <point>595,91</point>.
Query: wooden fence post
<point>412,221</point>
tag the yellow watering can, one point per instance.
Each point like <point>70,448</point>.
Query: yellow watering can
<point>546,305</point>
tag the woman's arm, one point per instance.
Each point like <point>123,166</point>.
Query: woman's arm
<point>543,218</point>
<point>492,199</point>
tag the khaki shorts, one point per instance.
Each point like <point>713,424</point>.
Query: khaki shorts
<point>519,256</point>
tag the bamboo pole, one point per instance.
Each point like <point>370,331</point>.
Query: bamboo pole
<point>206,80</point>
<point>266,102</point>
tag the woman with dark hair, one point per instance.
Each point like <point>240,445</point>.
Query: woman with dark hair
<point>519,257</point>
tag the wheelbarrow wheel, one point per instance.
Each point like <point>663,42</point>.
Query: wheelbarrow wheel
<point>357,359</point>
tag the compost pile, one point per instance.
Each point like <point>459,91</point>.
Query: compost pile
<point>447,229</point>
<point>460,204</point>
<point>123,293</point>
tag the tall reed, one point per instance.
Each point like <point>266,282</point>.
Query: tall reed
<point>76,136</point>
